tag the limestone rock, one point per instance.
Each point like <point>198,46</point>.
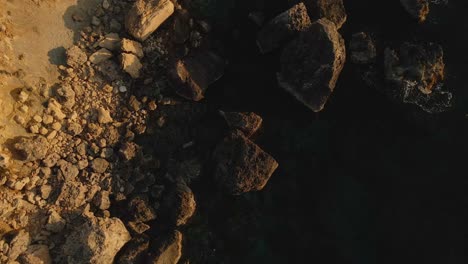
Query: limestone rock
<point>311,64</point>
<point>131,65</point>
<point>97,241</point>
<point>100,56</point>
<point>240,165</point>
<point>111,41</point>
<point>32,149</point>
<point>76,57</point>
<point>133,47</point>
<point>146,16</point>
<point>283,28</point>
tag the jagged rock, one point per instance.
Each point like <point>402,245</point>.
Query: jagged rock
<point>128,150</point>
<point>19,244</point>
<point>146,16</point>
<point>180,204</point>
<point>134,251</point>
<point>311,64</point>
<point>131,65</point>
<point>104,116</point>
<point>247,122</point>
<point>100,56</point>
<point>283,28</point>
<point>55,223</point>
<point>141,210</point>
<point>72,195</point>
<point>36,254</point>
<point>240,165</point>
<point>362,48</point>
<point>133,47</point>
<point>32,149</point>
<point>97,241</point>
<point>194,74</point>
<point>99,165</point>
<point>111,41</point>
<point>415,74</point>
<point>419,9</point>
<point>168,249</point>
<point>332,10</point>
<point>68,170</point>
<point>76,57</point>
<point>138,227</point>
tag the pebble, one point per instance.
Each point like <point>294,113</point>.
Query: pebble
<point>122,89</point>
<point>52,135</point>
<point>34,129</point>
<point>108,88</point>
<point>105,4</point>
<point>47,119</point>
<point>104,116</point>
<point>19,119</point>
<point>24,108</point>
<point>56,126</point>
<point>23,97</point>
<point>43,131</point>
<point>37,118</point>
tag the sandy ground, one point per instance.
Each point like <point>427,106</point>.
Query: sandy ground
<point>37,34</point>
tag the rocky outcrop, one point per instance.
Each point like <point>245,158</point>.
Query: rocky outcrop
<point>247,122</point>
<point>96,241</point>
<point>146,16</point>
<point>419,9</point>
<point>240,165</point>
<point>311,64</point>
<point>415,74</point>
<point>193,74</point>
<point>283,28</point>
<point>332,10</point>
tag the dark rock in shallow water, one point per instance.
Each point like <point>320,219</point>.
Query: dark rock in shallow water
<point>332,10</point>
<point>180,204</point>
<point>167,249</point>
<point>193,74</point>
<point>247,122</point>
<point>311,64</point>
<point>415,74</point>
<point>283,28</point>
<point>418,9</point>
<point>362,48</point>
<point>241,165</point>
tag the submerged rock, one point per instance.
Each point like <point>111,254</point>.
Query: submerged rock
<point>242,166</point>
<point>146,16</point>
<point>168,249</point>
<point>195,73</point>
<point>419,9</point>
<point>332,10</point>
<point>311,64</point>
<point>96,241</point>
<point>283,28</point>
<point>362,48</point>
<point>247,122</point>
<point>415,74</point>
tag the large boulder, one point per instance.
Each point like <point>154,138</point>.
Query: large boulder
<point>146,16</point>
<point>283,28</point>
<point>311,64</point>
<point>332,10</point>
<point>240,165</point>
<point>96,241</point>
<point>414,73</point>
<point>193,74</point>
<point>419,9</point>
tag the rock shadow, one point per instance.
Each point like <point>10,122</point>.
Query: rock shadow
<point>57,56</point>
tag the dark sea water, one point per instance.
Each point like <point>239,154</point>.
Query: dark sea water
<point>367,180</point>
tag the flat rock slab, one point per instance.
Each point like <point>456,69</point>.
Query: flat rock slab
<point>311,64</point>
<point>241,165</point>
<point>283,28</point>
<point>146,16</point>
